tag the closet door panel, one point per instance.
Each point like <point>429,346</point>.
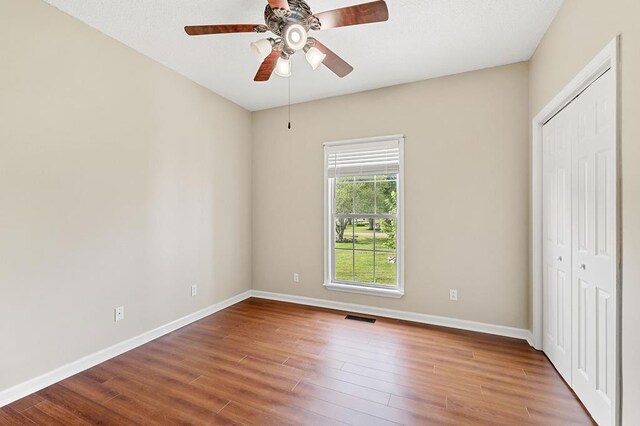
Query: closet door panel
<point>594,269</point>
<point>558,136</point>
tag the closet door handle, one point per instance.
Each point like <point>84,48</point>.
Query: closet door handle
<point>559,258</point>
<point>583,266</point>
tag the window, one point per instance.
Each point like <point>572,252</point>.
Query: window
<point>363,216</point>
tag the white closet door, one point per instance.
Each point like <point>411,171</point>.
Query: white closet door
<point>558,136</point>
<point>594,268</point>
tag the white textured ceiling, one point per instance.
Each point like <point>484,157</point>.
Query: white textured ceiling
<point>422,39</point>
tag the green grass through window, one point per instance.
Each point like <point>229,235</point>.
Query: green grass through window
<point>348,257</point>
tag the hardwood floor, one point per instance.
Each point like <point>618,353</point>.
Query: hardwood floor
<point>272,363</point>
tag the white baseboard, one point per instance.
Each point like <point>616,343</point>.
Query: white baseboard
<point>27,388</point>
<point>499,330</point>
<point>530,339</point>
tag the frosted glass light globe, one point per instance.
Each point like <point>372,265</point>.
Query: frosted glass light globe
<point>283,67</point>
<point>315,57</point>
<point>261,49</point>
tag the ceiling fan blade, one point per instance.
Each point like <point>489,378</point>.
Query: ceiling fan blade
<point>365,13</point>
<point>220,29</point>
<point>334,62</point>
<point>267,66</point>
<point>279,4</point>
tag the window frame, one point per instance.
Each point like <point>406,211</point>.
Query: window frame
<point>329,226</point>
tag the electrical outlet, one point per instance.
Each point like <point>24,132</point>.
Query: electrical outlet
<point>453,295</point>
<point>296,277</point>
<point>194,290</point>
<point>118,313</point>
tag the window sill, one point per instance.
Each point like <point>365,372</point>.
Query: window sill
<point>372,291</point>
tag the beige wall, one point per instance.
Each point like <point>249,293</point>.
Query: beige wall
<point>466,192</point>
<point>121,183</point>
<point>580,31</point>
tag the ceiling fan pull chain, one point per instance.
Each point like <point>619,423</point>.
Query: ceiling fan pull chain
<point>290,77</point>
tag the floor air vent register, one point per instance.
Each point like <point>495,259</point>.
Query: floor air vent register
<point>357,318</point>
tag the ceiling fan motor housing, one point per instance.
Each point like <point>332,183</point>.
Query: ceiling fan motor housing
<point>300,13</point>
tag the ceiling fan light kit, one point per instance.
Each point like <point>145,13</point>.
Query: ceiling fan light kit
<point>283,67</point>
<point>314,57</point>
<point>295,37</point>
<point>262,48</point>
<point>291,21</point>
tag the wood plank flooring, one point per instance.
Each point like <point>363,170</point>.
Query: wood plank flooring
<point>271,363</point>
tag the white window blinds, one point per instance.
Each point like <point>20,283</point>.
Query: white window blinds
<point>347,159</point>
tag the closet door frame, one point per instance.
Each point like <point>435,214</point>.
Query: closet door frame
<point>607,59</point>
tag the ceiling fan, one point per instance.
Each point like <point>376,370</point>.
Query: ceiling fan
<point>290,21</point>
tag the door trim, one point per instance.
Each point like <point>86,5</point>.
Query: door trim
<point>607,59</point>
